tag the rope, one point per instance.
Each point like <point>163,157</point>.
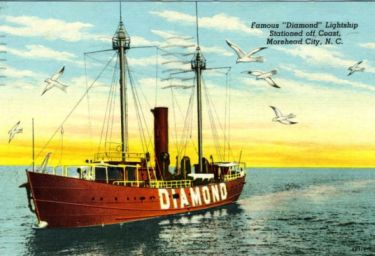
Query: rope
<point>156,75</point>
<point>62,144</point>
<point>188,124</point>
<point>111,109</point>
<point>74,107</point>
<point>138,107</point>
<point>212,121</point>
<point>107,113</point>
<point>88,106</point>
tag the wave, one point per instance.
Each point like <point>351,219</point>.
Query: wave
<point>314,193</point>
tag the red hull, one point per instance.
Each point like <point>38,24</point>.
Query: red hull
<point>71,202</point>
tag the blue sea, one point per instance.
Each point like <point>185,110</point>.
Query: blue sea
<point>298,211</point>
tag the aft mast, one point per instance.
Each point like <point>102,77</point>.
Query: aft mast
<point>198,63</point>
<point>121,43</point>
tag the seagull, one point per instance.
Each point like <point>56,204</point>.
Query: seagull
<point>246,57</point>
<point>266,76</point>
<point>53,82</point>
<point>15,129</point>
<point>281,118</point>
<point>356,68</point>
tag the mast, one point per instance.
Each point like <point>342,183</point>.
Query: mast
<point>198,63</point>
<point>121,43</point>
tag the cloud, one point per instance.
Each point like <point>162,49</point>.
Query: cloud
<point>327,78</point>
<point>172,38</point>
<point>42,52</point>
<point>326,56</point>
<point>318,55</point>
<point>11,72</point>
<point>141,41</point>
<point>216,50</point>
<point>51,29</point>
<point>368,45</point>
<point>215,22</point>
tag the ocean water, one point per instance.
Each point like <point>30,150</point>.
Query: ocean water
<point>280,212</point>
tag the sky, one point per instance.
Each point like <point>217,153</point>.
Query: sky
<point>334,111</point>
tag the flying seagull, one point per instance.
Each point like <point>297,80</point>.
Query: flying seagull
<point>356,68</point>
<point>15,129</point>
<point>246,57</point>
<point>266,76</point>
<point>53,82</point>
<point>281,118</point>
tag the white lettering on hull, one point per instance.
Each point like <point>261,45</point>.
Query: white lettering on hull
<point>199,196</point>
<point>223,191</point>
<point>164,199</point>
<point>206,195</point>
<point>183,199</point>
<point>195,196</point>
<point>174,199</point>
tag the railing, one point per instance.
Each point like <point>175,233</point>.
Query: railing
<point>233,176</point>
<point>170,183</point>
<point>134,183</point>
<point>117,156</point>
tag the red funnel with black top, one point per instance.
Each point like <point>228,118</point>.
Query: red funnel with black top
<point>161,140</point>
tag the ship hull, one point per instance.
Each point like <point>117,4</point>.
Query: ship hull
<point>64,202</point>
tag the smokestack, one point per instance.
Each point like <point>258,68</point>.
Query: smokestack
<point>161,140</point>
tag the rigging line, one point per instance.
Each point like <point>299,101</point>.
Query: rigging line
<point>138,111</point>
<point>88,106</point>
<point>106,114</point>
<point>185,129</point>
<point>176,105</point>
<point>99,61</point>
<point>156,76</point>
<point>215,116</point>
<point>188,124</point>
<point>212,121</point>
<point>75,106</point>
<point>62,144</point>
<point>184,135</point>
<point>137,107</point>
<point>120,11</point>
<point>111,108</point>
<point>196,21</point>
<point>174,102</point>
<point>229,119</point>
<point>225,115</point>
<point>143,118</point>
<point>114,102</point>
<point>106,50</point>
<point>104,119</point>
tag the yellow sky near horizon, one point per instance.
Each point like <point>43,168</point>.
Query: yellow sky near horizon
<point>337,137</point>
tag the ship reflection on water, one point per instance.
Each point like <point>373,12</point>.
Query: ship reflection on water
<point>138,238</point>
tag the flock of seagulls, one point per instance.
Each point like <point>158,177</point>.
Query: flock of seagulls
<point>267,76</point>
<point>262,75</point>
<point>53,82</point>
